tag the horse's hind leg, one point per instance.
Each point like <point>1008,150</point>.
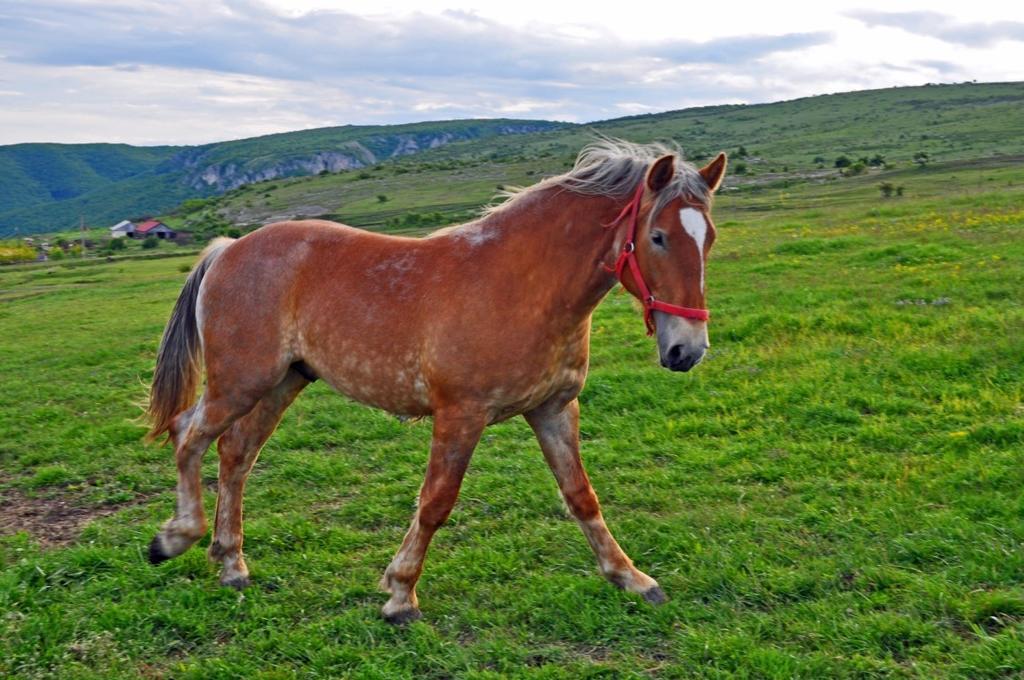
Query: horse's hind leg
<point>192,433</point>
<point>238,449</point>
<point>557,430</point>
<point>455,437</point>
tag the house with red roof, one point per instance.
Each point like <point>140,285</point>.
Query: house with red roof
<point>154,228</point>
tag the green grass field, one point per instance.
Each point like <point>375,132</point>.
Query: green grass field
<point>835,492</point>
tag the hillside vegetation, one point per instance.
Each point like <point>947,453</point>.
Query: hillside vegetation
<point>770,144</point>
<point>45,187</point>
<point>38,174</point>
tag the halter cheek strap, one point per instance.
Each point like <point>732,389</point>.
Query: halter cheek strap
<point>628,258</point>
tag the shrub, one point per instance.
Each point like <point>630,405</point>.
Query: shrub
<point>414,219</point>
<point>116,244</point>
<point>16,252</point>
<point>56,254</point>
<point>150,242</point>
<point>855,169</point>
<point>843,162</point>
<point>193,205</point>
<point>382,198</point>
<point>887,189</point>
<point>739,169</point>
<point>921,158</point>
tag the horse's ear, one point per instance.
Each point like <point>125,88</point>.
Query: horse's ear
<point>714,172</point>
<point>661,173</point>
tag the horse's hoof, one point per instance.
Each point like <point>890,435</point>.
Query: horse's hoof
<point>156,551</point>
<point>236,582</point>
<point>655,595</point>
<point>403,616</point>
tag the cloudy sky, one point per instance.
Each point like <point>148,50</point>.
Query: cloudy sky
<point>193,71</point>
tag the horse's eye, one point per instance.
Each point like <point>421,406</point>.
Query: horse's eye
<point>658,238</point>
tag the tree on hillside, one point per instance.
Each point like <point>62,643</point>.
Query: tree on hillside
<point>857,168</point>
<point>886,188</point>
<point>843,162</point>
<point>921,158</point>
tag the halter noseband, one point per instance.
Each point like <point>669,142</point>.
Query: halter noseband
<point>628,256</point>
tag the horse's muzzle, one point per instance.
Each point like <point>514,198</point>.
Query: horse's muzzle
<point>681,358</point>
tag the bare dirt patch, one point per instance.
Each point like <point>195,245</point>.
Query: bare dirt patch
<point>53,522</point>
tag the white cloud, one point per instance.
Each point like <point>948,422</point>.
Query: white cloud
<point>944,27</point>
<point>196,71</point>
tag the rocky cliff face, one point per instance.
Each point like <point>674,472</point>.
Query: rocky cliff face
<point>205,174</point>
<point>231,175</point>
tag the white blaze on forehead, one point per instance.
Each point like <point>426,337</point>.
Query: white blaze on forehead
<point>696,226</point>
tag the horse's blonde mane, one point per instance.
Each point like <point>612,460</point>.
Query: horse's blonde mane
<point>613,168</point>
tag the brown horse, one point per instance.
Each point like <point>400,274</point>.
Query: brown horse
<point>471,325</point>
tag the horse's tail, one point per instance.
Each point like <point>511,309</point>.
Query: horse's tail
<point>179,359</point>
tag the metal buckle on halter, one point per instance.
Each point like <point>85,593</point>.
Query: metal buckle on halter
<point>628,247</point>
<point>650,300</point>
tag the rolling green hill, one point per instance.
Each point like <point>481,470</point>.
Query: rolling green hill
<point>782,143</point>
<point>36,174</point>
<point>45,187</point>
<point>407,177</point>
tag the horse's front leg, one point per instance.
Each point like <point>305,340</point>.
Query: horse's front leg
<point>456,434</point>
<point>557,429</point>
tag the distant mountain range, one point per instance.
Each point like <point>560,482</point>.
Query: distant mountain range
<point>47,187</point>
<point>455,165</point>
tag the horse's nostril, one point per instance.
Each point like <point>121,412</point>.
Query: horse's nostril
<point>675,352</point>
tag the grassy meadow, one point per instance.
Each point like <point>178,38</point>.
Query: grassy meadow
<point>835,492</point>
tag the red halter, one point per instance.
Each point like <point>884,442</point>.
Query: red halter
<point>628,256</point>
